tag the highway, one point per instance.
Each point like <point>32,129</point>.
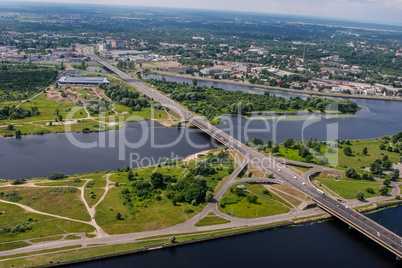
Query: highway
<point>376,232</point>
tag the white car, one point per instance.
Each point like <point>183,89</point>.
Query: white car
<point>294,177</point>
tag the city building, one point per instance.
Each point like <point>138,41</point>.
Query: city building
<point>87,81</point>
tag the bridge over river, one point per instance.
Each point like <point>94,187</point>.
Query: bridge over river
<point>371,229</point>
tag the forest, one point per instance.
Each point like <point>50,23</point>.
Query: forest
<point>20,81</point>
<point>212,102</point>
<point>13,113</point>
<point>122,95</point>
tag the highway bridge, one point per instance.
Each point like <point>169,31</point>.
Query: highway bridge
<point>371,229</point>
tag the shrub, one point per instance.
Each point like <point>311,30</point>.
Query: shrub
<point>18,181</point>
<point>57,176</point>
<point>370,190</point>
<point>360,195</point>
<point>118,216</point>
<point>63,190</point>
<point>252,198</point>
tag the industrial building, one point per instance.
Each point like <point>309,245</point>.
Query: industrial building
<point>84,81</point>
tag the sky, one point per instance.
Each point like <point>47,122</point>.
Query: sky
<point>376,11</point>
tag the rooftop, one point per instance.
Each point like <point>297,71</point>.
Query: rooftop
<point>84,80</point>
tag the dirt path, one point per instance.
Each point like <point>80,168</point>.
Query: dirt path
<point>91,211</point>
<point>29,99</point>
<point>29,209</point>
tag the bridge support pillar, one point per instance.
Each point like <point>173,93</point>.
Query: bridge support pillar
<point>350,227</point>
<point>398,258</point>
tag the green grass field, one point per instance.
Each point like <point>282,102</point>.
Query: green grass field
<point>158,215</point>
<point>340,160</point>
<point>62,183</point>
<point>13,245</point>
<point>347,188</point>
<point>45,200</point>
<point>211,219</point>
<point>241,208</point>
<point>97,188</point>
<point>42,226</point>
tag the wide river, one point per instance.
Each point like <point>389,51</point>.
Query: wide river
<point>376,118</point>
<point>329,244</point>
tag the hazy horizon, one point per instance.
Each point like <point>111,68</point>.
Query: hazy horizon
<point>369,11</point>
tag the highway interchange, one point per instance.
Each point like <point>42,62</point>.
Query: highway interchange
<point>357,220</point>
<point>282,174</point>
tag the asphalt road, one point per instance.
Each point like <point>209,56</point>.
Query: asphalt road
<point>370,228</point>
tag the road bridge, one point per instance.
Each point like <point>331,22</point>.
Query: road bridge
<point>374,231</point>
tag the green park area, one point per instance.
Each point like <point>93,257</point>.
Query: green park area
<point>19,224</point>
<point>213,102</point>
<point>347,188</point>
<point>75,109</point>
<point>252,202</point>
<point>356,154</point>
<point>141,199</point>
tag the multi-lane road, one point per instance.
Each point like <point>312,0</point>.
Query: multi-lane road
<point>354,219</point>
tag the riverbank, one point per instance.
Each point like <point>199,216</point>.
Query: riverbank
<point>289,90</point>
<point>96,252</point>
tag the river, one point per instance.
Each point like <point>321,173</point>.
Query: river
<point>376,118</point>
<point>37,156</point>
<point>329,244</point>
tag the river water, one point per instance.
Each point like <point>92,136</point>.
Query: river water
<point>328,244</point>
<point>376,118</point>
<point>138,144</point>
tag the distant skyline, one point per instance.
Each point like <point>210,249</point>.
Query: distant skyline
<point>375,11</point>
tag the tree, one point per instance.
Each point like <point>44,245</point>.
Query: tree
<point>382,146</point>
<point>172,239</point>
<point>209,196</point>
<point>18,134</point>
<point>252,198</point>
<point>387,182</point>
<point>10,127</point>
<point>118,216</point>
<point>375,168</point>
<point>393,176</point>
<point>383,190</point>
<point>275,149</point>
<point>347,151</point>
<point>387,164</point>
<point>351,173</point>
<point>195,82</point>
<point>238,191</point>
<point>365,151</point>
<point>303,151</point>
<point>130,176</point>
<point>360,195</point>
<point>60,118</point>
<point>370,190</point>
<point>56,176</point>
<point>289,143</point>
